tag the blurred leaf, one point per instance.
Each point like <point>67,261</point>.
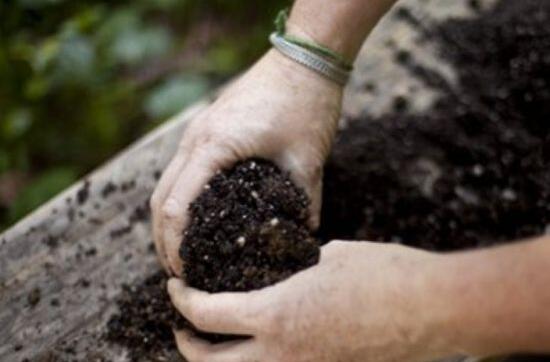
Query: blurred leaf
<point>134,45</point>
<point>36,87</point>
<point>224,58</point>
<point>46,54</point>
<point>40,190</point>
<point>116,22</point>
<point>75,61</point>
<point>175,94</point>
<point>129,41</point>
<point>17,122</point>
<point>86,19</point>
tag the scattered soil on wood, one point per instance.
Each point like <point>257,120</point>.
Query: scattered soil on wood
<point>473,170</point>
<point>145,321</point>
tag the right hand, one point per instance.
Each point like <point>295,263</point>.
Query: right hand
<point>362,302</point>
<point>279,110</point>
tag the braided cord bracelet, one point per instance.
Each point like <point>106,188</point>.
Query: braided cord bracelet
<point>311,55</point>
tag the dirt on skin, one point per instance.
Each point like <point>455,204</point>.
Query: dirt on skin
<point>471,171</point>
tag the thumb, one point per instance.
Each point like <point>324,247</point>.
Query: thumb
<point>308,176</point>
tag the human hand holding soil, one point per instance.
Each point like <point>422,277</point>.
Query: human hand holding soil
<point>380,302</point>
<point>278,110</point>
<point>360,303</point>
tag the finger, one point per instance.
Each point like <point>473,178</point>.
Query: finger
<point>310,178</point>
<point>195,349</point>
<point>157,199</point>
<point>228,313</point>
<point>316,204</point>
<point>203,164</point>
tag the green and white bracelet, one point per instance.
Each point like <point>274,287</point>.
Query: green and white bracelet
<point>311,55</point>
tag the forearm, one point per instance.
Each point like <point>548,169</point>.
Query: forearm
<point>495,301</point>
<point>340,25</point>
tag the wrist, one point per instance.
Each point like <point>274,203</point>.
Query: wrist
<point>290,84</point>
<point>467,295</point>
<point>341,26</point>
<point>493,302</point>
<point>294,72</point>
<point>426,325</point>
<point>328,38</point>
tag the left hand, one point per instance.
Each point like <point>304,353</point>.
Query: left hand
<point>362,302</point>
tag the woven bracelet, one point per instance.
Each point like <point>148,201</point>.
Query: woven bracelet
<point>311,55</point>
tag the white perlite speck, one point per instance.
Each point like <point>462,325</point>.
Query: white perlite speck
<point>274,222</point>
<point>241,241</point>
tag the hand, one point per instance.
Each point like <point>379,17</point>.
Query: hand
<point>278,110</point>
<point>362,302</point>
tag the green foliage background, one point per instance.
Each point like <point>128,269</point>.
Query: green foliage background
<point>79,80</point>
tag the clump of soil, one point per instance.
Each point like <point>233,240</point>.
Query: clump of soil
<point>248,230</point>
<point>474,169</point>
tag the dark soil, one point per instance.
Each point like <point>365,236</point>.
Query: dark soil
<point>474,169</point>
<point>145,321</point>
<point>471,171</point>
<point>248,230</point>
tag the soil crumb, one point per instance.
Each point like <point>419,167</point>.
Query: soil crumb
<point>34,296</point>
<point>83,193</point>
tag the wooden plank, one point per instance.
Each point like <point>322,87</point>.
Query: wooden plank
<point>90,239</point>
<point>62,266</point>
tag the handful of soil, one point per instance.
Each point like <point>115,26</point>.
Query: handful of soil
<point>248,230</point>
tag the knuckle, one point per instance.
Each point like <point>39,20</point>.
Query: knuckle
<point>198,316</point>
<point>207,139</point>
<point>184,146</point>
<point>334,247</point>
<point>217,153</point>
<point>171,210</point>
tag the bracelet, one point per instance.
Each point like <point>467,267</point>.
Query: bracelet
<point>311,60</point>
<point>310,54</point>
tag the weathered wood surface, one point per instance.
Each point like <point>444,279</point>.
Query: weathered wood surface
<point>79,248</point>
